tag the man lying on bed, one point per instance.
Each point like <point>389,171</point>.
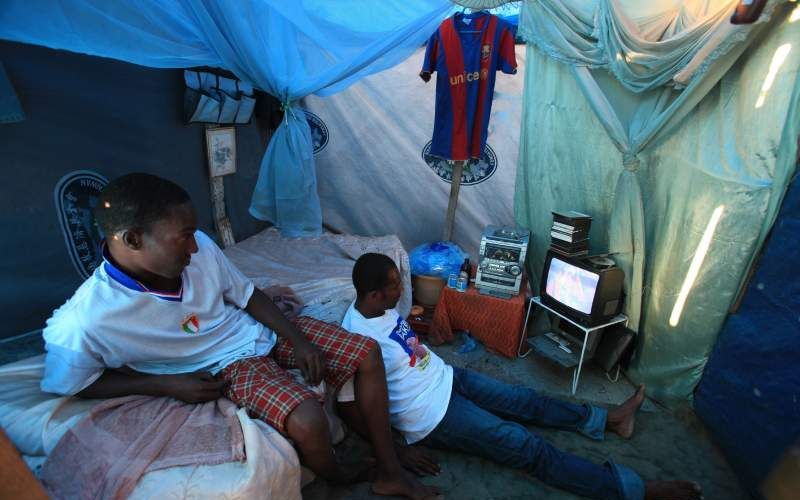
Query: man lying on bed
<point>167,314</point>
<point>446,407</point>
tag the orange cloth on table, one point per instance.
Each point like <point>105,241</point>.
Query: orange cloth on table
<point>494,321</point>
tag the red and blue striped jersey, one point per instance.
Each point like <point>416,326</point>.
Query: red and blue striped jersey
<point>466,51</point>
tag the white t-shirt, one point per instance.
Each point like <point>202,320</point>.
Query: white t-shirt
<point>113,321</point>
<point>419,381</point>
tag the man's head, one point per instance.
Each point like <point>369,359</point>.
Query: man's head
<point>149,224</point>
<point>377,281</point>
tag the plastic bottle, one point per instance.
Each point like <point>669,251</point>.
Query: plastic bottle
<point>465,269</point>
<point>463,277</point>
<point>469,345</point>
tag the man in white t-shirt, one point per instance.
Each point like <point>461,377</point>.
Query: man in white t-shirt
<point>166,314</point>
<point>446,407</point>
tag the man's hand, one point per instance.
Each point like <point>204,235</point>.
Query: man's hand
<point>310,361</point>
<point>418,460</point>
<point>194,387</point>
<point>307,357</point>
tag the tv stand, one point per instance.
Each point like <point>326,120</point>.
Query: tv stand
<point>562,353</point>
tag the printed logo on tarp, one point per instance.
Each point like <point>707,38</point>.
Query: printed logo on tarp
<point>474,172</point>
<point>319,131</point>
<point>76,196</point>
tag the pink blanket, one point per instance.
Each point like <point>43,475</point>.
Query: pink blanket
<point>105,454</point>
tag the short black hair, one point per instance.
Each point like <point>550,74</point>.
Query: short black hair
<point>136,201</point>
<point>371,273</point>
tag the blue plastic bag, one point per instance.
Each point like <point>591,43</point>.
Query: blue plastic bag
<point>440,259</point>
<point>469,345</point>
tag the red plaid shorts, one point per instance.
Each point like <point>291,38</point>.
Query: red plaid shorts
<point>263,386</point>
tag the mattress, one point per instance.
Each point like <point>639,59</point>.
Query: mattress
<point>318,269</point>
<point>35,421</point>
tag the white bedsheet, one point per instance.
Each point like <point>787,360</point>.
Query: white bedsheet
<point>35,421</point>
<point>318,269</point>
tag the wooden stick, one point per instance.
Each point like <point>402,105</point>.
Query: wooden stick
<point>221,222</point>
<point>455,185</point>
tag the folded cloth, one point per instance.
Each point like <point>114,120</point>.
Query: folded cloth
<point>121,439</point>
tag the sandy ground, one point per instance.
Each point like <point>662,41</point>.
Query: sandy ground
<point>667,444</point>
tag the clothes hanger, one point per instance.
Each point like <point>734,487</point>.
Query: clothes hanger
<point>468,32</point>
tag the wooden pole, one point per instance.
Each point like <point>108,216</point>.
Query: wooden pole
<point>221,222</point>
<point>455,185</point>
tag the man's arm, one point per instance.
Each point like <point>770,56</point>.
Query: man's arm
<point>189,387</point>
<point>284,299</point>
<point>309,359</point>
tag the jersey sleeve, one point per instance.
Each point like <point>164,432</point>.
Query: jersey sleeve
<point>507,62</point>
<point>236,287</point>
<point>431,54</point>
<point>70,366</point>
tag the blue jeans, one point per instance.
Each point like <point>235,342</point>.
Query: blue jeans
<point>475,424</point>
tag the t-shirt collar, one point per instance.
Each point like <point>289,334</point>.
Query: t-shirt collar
<point>477,21</point>
<point>123,279</point>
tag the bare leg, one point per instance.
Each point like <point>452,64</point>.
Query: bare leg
<point>672,490</point>
<point>621,418</point>
<point>307,426</point>
<point>414,458</point>
<point>372,401</point>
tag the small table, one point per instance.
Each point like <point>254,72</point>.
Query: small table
<point>587,330</point>
<point>498,323</point>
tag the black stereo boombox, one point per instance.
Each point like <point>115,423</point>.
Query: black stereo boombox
<point>501,262</point>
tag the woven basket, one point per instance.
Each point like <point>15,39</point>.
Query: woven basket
<point>427,289</point>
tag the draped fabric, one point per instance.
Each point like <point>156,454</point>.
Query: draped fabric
<point>643,44</point>
<point>642,78</point>
<point>671,49</point>
<point>288,49</point>
<point>374,176</point>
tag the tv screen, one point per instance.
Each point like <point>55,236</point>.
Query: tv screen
<point>571,285</point>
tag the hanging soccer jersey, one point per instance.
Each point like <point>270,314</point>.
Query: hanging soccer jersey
<point>466,51</point>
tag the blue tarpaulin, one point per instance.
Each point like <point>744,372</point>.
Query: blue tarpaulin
<point>749,396</point>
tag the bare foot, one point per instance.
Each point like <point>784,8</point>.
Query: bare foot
<point>672,490</point>
<point>404,484</point>
<point>621,418</point>
<point>418,460</point>
<point>355,472</point>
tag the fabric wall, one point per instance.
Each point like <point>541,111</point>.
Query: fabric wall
<point>105,116</point>
<point>372,175</point>
<point>716,180</point>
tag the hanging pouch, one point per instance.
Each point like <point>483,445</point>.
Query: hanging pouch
<point>237,107</point>
<point>246,106</point>
<point>216,100</point>
<point>200,106</point>
<point>229,104</point>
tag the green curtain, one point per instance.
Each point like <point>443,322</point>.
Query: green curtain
<point>660,166</point>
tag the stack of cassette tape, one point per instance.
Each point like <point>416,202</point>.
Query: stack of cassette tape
<point>569,235</point>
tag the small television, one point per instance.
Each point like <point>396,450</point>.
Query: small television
<point>587,290</point>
